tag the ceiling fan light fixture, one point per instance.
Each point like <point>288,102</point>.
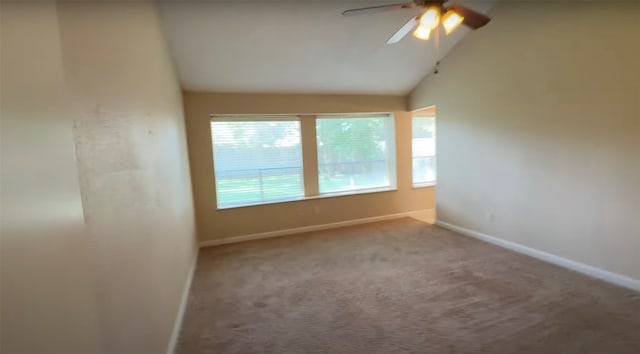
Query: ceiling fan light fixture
<point>422,32</point>
<point>433,14</point>
<point>451,20</point>
<point>430,18</point>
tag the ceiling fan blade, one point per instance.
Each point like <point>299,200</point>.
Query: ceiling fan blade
<point>404,30</point>
<point>472,19</point>
<point>380,8</point>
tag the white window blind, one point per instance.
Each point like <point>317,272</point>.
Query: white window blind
<point>423,147</point>
<point>256,160</point>
<point>355,153</point>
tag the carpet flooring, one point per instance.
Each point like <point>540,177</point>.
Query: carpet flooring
<point>400,286</point>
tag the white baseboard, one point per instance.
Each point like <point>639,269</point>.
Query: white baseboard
<point>614,278</point>
<point>177,324</point>
<point>418,214</point>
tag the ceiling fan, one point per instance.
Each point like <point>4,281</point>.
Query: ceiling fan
<point>435,13</point>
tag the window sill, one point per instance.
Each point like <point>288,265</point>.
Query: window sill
<point>261,203</point>
<point>321,196</point>
<point>353,192</point>
<point>424,185</point>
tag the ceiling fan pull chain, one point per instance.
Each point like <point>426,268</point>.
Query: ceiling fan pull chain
<point>437,44</point>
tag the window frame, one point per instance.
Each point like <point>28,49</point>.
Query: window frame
<point>310,183</point>
<point>391,165</point>
<point>434,156</point>
<point>254,118</point>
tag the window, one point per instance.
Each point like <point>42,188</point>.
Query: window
<point>257,161</point>
<point>260,159</point>
<point>355,153</point>
<point>423,149</point>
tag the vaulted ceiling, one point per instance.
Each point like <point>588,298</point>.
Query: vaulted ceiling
<point>301,46</point>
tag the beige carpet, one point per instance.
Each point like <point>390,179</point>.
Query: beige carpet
<point>398,287</point>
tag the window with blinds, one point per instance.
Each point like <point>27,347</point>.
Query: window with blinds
<point>257,160</point>
<point>355,153</point>
<point>423,150</point>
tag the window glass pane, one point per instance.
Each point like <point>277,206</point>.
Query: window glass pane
<point>256,161</point>
<point>355,153</point>
<point>423,145</point>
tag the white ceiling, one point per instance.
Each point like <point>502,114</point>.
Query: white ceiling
<point>301,46</point>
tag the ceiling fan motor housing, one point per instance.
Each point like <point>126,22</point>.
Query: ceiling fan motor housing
<point>427,3</point>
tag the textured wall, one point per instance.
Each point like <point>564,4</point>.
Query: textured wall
<point>214,224</point>
<point>539,131</point>
<point>101,142</point>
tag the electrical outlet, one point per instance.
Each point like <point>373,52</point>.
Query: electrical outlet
<point>316,209</point>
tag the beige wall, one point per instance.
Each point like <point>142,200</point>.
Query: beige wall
<point>216,224</point>
<point>97,216</point>
<point>47,279</point>
<point>539,131</point>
